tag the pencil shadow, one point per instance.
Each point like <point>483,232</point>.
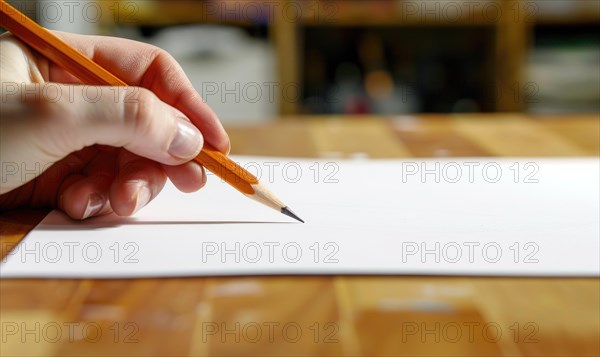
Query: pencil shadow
<point>93,225</point>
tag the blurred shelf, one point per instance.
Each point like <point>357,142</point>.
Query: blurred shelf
<point>510,23</point>
<point>165,13</point>
<point>336,13</point>
<point>578,19</point>
<point>572,12</point>
<point>394,13</point>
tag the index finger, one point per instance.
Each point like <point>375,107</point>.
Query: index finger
<point>143,65</point>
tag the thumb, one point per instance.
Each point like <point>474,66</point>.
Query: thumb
<point>129,117</point>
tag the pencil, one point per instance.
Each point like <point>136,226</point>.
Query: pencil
<point>89,72</point>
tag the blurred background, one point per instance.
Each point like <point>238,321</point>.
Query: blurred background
<point>257,60</point>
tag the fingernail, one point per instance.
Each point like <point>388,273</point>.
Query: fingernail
<point>188,141</point>
<point>142,197</point>
<point>203,176</point>
<point>94,205</point>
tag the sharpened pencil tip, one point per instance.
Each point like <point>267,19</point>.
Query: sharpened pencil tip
<point>289,213</point>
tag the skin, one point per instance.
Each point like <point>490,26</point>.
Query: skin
<point>96,157</point>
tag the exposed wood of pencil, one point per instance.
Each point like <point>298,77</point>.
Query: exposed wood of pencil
<point>237,177</point>
<point>90,72</point>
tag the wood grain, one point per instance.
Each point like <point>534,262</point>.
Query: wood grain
<point>340,315</point>
<point>353,137</point>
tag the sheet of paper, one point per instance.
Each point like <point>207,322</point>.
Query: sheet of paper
<point>511,217</point>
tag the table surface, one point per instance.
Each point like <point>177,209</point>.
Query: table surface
<point>324,315</point>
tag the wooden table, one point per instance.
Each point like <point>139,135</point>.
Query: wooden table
<point>340,315</point>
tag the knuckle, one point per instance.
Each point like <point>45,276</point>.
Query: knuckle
<point>167,64</point>
<point>139,104</point>
<point>161,59</point>
<point>162,55</point>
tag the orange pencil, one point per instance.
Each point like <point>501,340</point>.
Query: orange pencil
<point>90,72</point>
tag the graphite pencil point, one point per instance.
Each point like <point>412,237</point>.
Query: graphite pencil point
<point>289,213</point>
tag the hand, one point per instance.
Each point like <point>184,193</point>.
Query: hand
<point>91,150</point>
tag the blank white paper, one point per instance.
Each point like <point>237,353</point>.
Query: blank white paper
<point>496,217</point>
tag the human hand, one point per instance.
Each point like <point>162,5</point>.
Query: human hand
<point>91,150</point>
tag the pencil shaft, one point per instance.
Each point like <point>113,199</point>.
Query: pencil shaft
<point>227,170</point>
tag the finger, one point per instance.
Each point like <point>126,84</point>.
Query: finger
<point>139,180</point>
<point>133,118</point>
<point>88,196</point>
<point>144,65</point>
<point>189,177</point>
<point>64,198</point>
